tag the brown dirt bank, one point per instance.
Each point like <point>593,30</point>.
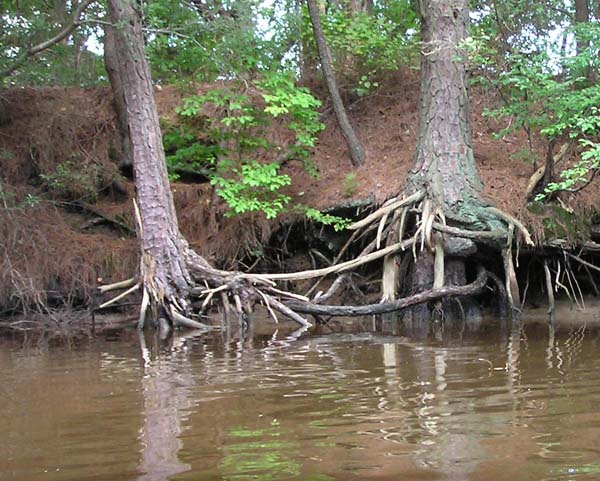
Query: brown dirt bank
<point>66,211</point>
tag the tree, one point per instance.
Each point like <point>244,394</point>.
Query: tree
<point>357,153</point>
<point>169,269</point>
<point>165,276</point>
<point>444,177</point>
<point>444,180</point>
<point>444,166</point>
<point>114,75</point>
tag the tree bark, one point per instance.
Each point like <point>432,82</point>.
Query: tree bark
<point>168,267</point>
<point>163,268</point>
<point>357,153</point>
<point>114,76</point>
<point>444,166</point>
<point>582,15</point>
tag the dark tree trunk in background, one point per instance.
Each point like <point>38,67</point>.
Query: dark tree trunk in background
<point>582,15</point>
<point>163,269</point>
<point>357,153</point>
<point>114,75</point>
<point>444,166</point>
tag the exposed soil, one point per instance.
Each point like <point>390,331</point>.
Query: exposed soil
<point>64,236</point>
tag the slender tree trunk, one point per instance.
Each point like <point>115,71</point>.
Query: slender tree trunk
<point>164,272</point>
<point>168,267</point>
<point>582,16</point>
<point>357,153</point>
<point>114,75</point>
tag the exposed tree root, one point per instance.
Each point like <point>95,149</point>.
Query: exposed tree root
<point>512,221</point>
<point>335,269</point>
<point>131,290</point>
<point>581,261</point>
<point>549,289</point>
<point>386,209</point>
<point>241,291</point>
<point>382,308</point>
<point>322,297</point>
<point>117,285</point>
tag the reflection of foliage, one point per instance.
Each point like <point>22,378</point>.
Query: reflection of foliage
<point>258,466</point>
<point>258,459</point>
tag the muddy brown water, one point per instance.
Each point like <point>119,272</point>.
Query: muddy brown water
<point>514,404</point>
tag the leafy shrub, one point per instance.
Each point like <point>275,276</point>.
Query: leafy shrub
<point>557,106</point>
<point>229,142</point>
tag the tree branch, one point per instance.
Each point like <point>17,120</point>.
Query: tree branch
<point>64,33</point>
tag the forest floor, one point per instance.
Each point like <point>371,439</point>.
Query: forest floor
<point>61,232</point>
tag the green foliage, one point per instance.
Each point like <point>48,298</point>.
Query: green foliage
<point>365,44</point>
<point>253,187</point>
<point>230,140</point>
<point>365,86</point>
<point>203,41</point>
<point>557,106</point>
<point>185,151</point>
<point>578,176</point>
<point>338,223</point>
<point>30,22</point>
<point>9,200</point>
<point>284,98</point>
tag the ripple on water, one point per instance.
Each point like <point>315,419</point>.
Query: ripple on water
<point>371,407</point>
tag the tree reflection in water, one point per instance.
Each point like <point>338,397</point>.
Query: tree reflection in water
<point>166,385</point>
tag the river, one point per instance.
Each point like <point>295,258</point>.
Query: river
<point>514,404</point>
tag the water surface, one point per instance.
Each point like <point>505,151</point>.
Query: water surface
<point>513,404</point>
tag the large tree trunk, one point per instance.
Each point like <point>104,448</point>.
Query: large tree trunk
<point>357,153</point>
<point>444,180</point>
<point>164,272</point>
<point>444,166</point>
